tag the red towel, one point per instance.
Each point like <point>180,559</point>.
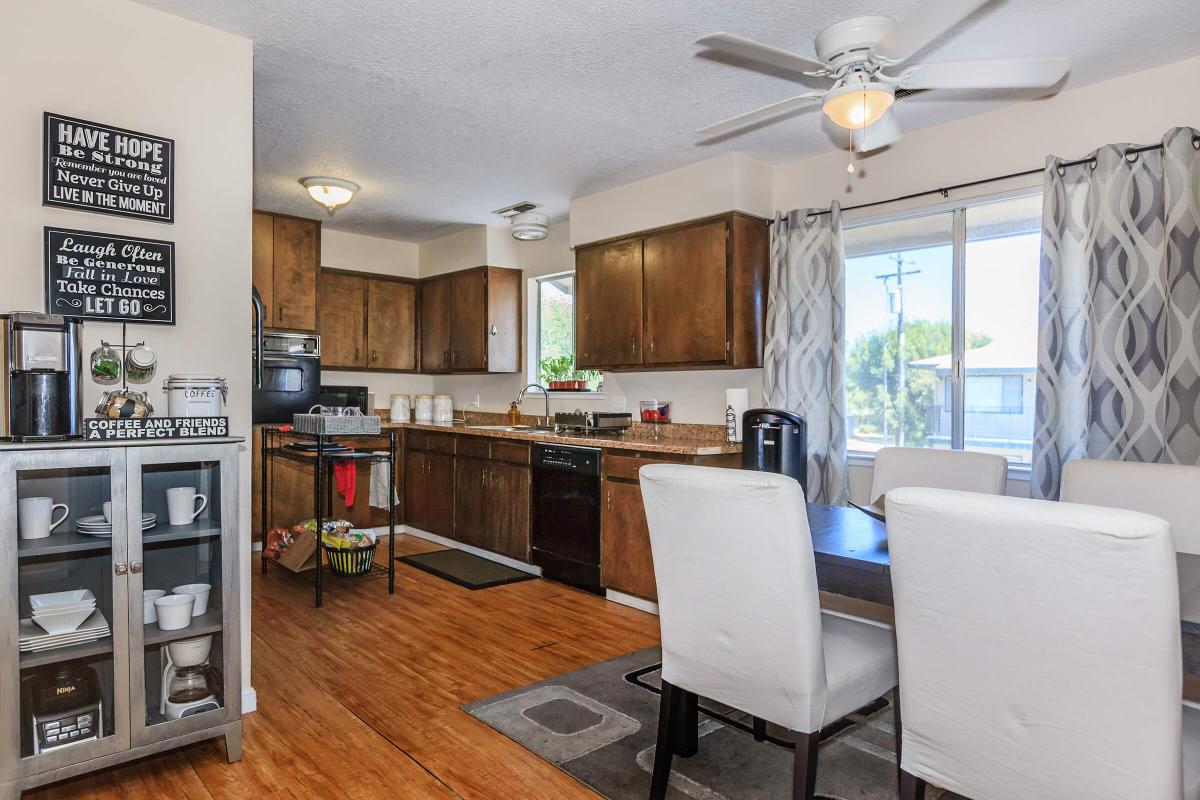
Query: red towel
<point>345,477</point>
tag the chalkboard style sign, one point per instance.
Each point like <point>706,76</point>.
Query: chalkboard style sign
<point>104,276</point>
<point>103,429</point>
<point>93,167</point>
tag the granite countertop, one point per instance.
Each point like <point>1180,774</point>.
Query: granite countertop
<point>692,440</point>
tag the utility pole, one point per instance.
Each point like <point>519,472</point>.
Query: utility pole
<point>895,297</point>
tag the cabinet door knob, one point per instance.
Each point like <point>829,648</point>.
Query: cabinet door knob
<point>136,568</point>
<point>494,330</point>
<point>374,356</point>
<point>121,569</point>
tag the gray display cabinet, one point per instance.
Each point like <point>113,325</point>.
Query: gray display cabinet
<point>127,666</point>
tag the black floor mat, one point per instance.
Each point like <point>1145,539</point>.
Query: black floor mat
<point>465,569</point>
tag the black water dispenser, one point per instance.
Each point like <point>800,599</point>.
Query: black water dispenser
<point>774,440</point>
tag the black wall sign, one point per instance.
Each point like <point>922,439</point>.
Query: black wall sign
<point>103,429</point>
<point>93,167</point>
<point>104,276</point>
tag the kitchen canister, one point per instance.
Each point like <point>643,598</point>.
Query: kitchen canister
<point>195,394</point>
<point>424,408</point>
<point>400,409</point>
<point>443,408</point>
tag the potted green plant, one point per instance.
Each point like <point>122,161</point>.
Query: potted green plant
<point>557,372</point>
<point>583,377</point>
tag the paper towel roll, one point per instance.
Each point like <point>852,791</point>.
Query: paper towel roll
<point>737,403</point>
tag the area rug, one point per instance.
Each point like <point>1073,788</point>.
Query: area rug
<point>599,724</point>
<point>465,569</point>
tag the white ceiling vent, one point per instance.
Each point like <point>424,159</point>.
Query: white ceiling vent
<point>527,224</point>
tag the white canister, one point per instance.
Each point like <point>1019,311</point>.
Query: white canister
<point>443,408</point>
<point>424,408</point>
<point>400,408</point>
<point>195,395</point>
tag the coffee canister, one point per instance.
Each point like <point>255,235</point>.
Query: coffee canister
<point>424,408</point>
<point>400,408</point>
<point>443,408</point>
<point>197,394</point>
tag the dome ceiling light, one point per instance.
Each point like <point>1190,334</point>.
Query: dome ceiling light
<point>331,193</point>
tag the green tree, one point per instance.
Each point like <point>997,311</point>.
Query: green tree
<point>872,387</point>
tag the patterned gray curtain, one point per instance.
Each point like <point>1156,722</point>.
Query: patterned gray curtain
<point>806,340</point>
<point>1119,316</point>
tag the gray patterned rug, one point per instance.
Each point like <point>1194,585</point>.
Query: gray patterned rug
<point>599,724</point>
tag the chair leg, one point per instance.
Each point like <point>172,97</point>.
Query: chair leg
<point>664,748</point>
<point>804,773</point>
<point>686,723</point>
<point>760,729</point>
<point>899,728</point>
<point>911,787</point>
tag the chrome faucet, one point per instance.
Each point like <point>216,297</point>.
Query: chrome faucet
<point>545,392</point>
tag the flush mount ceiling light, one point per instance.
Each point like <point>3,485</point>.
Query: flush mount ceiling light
<point>527,224</point>
<point>332,193</point>
<point>858,104</point>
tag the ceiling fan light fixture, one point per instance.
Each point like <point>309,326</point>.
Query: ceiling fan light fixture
<point>332,193</point>
<point>858,105</point>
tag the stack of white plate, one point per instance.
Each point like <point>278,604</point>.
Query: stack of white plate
<point>60,619</point>
<point>98,527</point>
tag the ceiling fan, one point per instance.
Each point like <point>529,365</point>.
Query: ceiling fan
<point>862,56</point>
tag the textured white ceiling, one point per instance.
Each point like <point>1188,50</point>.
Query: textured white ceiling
<point>445,111</point>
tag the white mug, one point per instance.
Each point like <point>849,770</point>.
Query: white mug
<point>34,516</point>
<point>181,505</point>
<point>107,508</point>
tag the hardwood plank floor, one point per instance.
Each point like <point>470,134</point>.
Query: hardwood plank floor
<point>361,699</point>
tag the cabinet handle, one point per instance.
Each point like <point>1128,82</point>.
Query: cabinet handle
<point>651,345</point>
<point>121,569</point>
<point>608,501</point>
<point>374,355</point>
<point>633,348</point>
<point>494,331</point>
<point>279,315</point>
<point>485,477</point>
<point>446,359</point>
<point>136,568</point>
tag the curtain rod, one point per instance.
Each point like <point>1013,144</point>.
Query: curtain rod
<point>946,190</point>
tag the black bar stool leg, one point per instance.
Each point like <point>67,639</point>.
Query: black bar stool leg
<point>760,729</point>
<point>804,774</point>
<point>664,748</point>
<point>686,723</point>
<point>899,732</point>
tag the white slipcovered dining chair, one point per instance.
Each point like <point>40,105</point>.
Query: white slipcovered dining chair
<point>1039,646</point>
<point>1170,491</point>
<point>937,469</point>
<point>740,618</point>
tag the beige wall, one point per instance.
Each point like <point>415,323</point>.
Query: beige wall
<point>121,64</point>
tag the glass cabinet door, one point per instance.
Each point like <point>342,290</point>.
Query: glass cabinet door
<point>183,521</point>
<point>65,608</point>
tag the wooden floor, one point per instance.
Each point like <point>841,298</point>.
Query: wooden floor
<point>361,699</point>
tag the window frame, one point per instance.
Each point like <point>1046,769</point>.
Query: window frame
<point>534,349</point>
<point>958,298</point>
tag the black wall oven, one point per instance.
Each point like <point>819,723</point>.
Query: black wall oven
<point>287,376</point>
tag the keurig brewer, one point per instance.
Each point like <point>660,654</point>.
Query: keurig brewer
<point>774,440</point>
<point>40,391</point>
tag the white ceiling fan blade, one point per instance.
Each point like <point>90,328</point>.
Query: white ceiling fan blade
<point>1006,73</point>
<point>749,49</point>
<point>923,24</point>
<point>884,132</point>
<point>757,115</point>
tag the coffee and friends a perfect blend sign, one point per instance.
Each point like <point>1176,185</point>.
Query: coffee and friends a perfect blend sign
<point>94,167</point>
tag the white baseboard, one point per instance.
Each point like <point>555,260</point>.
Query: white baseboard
<point>442,540</point>
<point>631,601</point>
<point>249,700</point>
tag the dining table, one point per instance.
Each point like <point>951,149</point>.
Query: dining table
<point>851,553</point>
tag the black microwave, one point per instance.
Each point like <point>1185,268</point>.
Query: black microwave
<point>347,397</point>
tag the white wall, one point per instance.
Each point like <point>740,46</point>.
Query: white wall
<point>341,250</point>
<point>122,64</point>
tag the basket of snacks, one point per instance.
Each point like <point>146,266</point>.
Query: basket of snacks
<point>350,552</point>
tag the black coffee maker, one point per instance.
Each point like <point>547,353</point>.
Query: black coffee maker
<point>40,394</point>
<point>774,440</point>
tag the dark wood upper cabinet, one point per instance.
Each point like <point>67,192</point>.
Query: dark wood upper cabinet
<point>686,296</point>
<point>435,324</point>
<point>342,321</point>
<point>608,305</point>
<point>263,264</point>
<point>296,249</point>
<point>391,325</point>
<point>471,321</point>
<point>685,311</point>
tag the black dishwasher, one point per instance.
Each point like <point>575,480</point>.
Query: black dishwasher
<point>566,514</point>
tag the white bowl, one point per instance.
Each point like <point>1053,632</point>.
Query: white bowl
<point>149,615</point>
<point>198,590</point>
<point>62,622</point>
<point>42,601</point>
<point>174,611</point>
<point>190,652</point>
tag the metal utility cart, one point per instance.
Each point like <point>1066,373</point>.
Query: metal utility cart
<point>274,441</point>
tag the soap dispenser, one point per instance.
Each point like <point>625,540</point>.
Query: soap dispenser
<point>514,414</point>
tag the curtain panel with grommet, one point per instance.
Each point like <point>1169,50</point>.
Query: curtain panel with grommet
<point>1119,309</point>
<point>804,358</point>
